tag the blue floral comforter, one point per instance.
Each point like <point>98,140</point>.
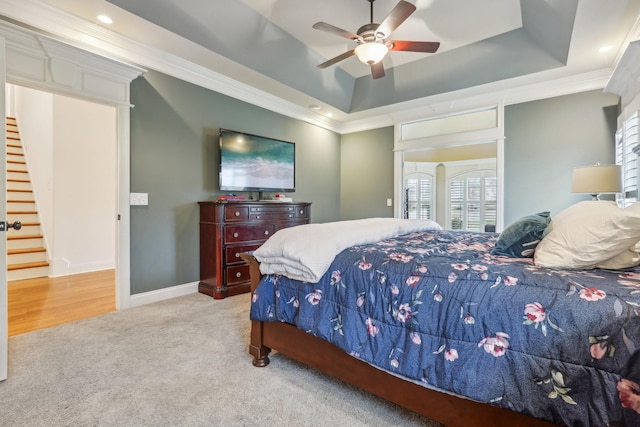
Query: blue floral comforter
<point>438,308</point>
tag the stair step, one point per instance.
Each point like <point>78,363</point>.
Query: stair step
<point>27,265</point>
<point>18,190</point>
<point>27,273</point>
<point>29,228</point>
<point>13,138</point>
<point>25,237</point>
<point>17,185</point>
<point>13,153</point>
<point>20,201</point>
<point>25,251</point>
<point>21,212</point>
<point>26,225</point>
<point>18,180</point>
<point>14,242</point>
<point>23,256</point>
<point>17,170</point>
<point>22,218</point>
<point>14,146</point>
<point>17,162</point>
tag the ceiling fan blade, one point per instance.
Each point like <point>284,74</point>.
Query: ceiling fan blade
<point>397,16</point>
<point>427,47</point>
<point>323,26</point>
<point>377,70</point>
<point>337,59</point>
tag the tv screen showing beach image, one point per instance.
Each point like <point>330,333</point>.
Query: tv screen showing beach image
<point>254,162</point>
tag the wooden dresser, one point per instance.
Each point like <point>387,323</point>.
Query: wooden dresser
<point>229,228</point>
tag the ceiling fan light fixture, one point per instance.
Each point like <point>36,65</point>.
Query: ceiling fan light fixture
<point>371,52</point>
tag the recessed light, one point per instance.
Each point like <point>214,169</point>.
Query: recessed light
<point>604,49</point>
<point>105,19</point>
<point>314,107</point>
<point>329,114</point>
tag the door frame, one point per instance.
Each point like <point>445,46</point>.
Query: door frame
<point>28,58</point>
<point>4,320</point>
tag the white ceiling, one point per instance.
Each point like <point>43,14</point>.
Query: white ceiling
<point>270,46</point>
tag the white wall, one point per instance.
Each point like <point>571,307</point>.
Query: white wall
<point>71,151</point>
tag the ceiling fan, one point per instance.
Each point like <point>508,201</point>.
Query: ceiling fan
<point>371,39</point>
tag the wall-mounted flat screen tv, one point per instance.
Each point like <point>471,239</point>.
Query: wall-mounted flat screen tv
<point>256,163</point>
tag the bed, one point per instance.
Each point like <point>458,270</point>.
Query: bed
<point>432,320</point>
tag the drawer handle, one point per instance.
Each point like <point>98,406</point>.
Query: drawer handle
<point>238,274</point>
<point>257,216</point>
<point>236,213</point>
<point>237,255</point>
<point>266,232</point>
<point>301,211</point>
<point>290,216</point>
<point>235,234</point>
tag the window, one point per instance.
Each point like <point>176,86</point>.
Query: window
<point>627,140</point>
<point>473,200</point>
<point>419,188</point>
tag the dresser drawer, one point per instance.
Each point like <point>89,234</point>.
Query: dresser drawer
<point>237,274</point>
<point>232,253</point>
<point>247,233</point>
<point>302,211</point>
<point>236,213</point>
<point>271,216</point>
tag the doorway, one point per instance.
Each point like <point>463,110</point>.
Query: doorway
<point>454,186</point>
<point>70,147</point>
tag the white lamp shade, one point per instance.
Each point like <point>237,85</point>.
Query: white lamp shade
<point>596,179</point>
<point>371,52</point>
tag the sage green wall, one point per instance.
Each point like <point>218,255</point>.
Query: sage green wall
<point>544,140</point>
<point>366,177</point>
<point>174,158</point>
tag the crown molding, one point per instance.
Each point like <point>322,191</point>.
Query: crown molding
<point>512,91</point>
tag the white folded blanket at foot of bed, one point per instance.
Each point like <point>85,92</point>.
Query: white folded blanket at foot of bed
<point>305,252</point>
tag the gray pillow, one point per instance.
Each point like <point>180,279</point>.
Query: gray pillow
<point>519,240</point>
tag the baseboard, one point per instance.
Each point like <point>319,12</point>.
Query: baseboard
<point>163,294</point>
<point>62,267</point>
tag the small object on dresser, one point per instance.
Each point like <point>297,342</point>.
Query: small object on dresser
<point>231,197</point>
<point>282,198</point>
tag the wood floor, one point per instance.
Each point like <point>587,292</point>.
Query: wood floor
<point>44,302</point>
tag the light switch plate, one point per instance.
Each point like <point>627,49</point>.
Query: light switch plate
<point>389,202</point>
<point>139,199</point>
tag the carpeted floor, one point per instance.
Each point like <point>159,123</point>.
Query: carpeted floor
<point>180,362</point>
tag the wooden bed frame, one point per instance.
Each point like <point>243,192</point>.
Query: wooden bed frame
<point>325,357</point>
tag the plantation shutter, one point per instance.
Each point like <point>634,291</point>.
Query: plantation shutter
<point>627,150</point>
<point>490,200</point>
<point>473,200</point>
<point>420,197</point>
<point>456,208</point>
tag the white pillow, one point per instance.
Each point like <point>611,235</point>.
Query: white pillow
<point>590,234</point>
<point>626,259</point>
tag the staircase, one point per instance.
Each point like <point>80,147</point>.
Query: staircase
<point>26,254</point>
